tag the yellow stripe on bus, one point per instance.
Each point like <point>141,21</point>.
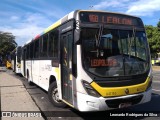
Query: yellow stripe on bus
<point>58,73</point>
<point>70,76</point>
<point>65,50</point>
<point>52,26</point>
<point>120,91</point>
<point>67,103</point>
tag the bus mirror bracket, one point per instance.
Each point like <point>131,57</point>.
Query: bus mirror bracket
<point>77,36</point>
<point>77,31</point>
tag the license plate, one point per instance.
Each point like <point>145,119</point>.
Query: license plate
<point>124,105</point>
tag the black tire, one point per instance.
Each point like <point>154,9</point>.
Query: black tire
<point>54,97</point>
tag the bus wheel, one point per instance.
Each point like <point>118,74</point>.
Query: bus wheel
<point>54,96</point>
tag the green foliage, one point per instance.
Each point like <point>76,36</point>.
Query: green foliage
<point>153,35</point>
<point>7,43</point>
<point>158,24</point>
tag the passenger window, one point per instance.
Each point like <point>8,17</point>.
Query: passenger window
<point>36,49</point>
<point>27,56</point>
<point>53,44</point>
<point>44,46</point>
<point>31,50</point>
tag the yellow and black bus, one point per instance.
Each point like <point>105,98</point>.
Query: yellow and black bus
<point>91,60</point>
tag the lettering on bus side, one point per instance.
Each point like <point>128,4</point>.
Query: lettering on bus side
<point>48,67</point>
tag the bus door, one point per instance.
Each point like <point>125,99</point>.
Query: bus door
<point>66,66</point>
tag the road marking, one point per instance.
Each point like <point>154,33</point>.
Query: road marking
<point>156,90</point>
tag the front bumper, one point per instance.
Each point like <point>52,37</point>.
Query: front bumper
<point>90,103</point>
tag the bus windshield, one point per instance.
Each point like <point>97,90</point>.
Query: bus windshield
<point>115,53</point>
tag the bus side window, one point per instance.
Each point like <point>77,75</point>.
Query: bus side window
<point>31,50</point>
<point>53,44</point>
<point>27,55</point>
<point>43,50</point>
<point>36,49</point>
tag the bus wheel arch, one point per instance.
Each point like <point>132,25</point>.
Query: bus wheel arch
<point>53,93</point>
<point>52,79</point>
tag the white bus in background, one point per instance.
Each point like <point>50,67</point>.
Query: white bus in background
<point>91,60</point>
<point>16,60</point>
<point>23,59</point>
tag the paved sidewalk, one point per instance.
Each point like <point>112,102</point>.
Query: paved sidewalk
<point>16,100</point>
<point>156,68</point>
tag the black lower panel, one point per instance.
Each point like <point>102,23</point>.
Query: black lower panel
<point>115,103</point>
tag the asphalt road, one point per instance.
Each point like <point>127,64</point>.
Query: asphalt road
<point>40,97</point>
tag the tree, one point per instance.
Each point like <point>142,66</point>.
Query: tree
<point>153,35</point>
<point>158,25</point>
<point>7,43</point>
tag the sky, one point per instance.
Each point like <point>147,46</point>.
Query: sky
<point>27,18</point>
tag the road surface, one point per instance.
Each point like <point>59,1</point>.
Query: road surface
<point>40,97</point>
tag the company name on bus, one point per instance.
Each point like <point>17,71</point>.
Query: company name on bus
<point>110,19</point>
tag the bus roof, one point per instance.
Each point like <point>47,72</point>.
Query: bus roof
<point>28,41</point>
<point>71,16</point>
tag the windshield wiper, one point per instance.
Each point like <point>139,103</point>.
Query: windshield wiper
<point>132,39</point>
<point>98,38</point>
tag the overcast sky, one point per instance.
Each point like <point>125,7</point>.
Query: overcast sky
<point>26,18</point>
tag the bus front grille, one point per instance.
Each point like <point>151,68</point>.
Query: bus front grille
<point>121,81</point>
<point>114,103</point>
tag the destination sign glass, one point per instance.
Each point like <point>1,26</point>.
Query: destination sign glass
<point>109,18</point>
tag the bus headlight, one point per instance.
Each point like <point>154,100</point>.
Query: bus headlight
<point>89,89</point>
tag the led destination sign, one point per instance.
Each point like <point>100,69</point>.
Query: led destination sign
<point>109,18</point>
<point>103,62</point>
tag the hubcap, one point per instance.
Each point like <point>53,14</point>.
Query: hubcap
<point>55,95</point>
